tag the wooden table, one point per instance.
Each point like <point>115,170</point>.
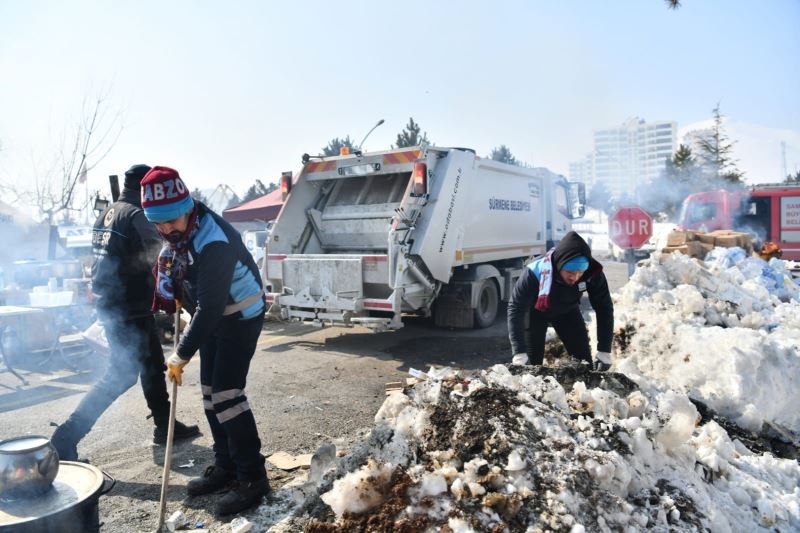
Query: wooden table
<point>10,317</point>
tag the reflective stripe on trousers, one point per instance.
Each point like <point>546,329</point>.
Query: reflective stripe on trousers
<point>211,401</point>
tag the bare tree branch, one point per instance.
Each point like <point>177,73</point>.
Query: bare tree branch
<point>81,147</point>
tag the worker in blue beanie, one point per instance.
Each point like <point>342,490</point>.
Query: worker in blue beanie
<point>549,292</point>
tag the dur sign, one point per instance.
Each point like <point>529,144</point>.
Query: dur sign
<point>630,227</point>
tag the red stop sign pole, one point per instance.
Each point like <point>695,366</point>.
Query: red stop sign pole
<point>629,228</point>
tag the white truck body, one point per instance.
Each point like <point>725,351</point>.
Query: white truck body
<point>359,242</point>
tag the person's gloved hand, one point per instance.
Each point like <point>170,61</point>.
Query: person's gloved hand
<point>519,359</point>
<point>602,361</point>
<point>175,364</point>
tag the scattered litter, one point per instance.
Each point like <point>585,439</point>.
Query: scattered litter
<point>394,387</point>
<point>318,408</point>
<point>200,525</point>
<point>287,461</point>
<point>241,525</point>
<point>419,374</point>
<point>189,464</point>
<point>176,521</point>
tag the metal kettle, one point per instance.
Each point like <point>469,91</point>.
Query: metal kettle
<point>28,466</point>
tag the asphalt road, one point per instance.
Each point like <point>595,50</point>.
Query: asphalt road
<point>306,386</point>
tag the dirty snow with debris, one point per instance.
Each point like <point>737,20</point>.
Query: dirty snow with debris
<point>568,449</point>
<point>725,331</point>
<point>512,449</point>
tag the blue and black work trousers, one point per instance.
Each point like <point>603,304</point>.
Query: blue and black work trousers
<point>224,363</point>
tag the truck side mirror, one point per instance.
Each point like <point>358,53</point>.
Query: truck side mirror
<point>577,199</point>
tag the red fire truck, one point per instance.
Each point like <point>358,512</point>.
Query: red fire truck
<point>769,212</point>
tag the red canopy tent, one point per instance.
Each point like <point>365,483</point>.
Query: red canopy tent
<point>265,208</point>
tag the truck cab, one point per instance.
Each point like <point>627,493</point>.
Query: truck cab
<point>768,212</point>
<point>256,241</point>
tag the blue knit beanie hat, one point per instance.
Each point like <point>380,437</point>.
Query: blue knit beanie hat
<point>576,264</point>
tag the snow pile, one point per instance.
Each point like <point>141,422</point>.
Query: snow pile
<point>567,449</point>
<point>725,331</point>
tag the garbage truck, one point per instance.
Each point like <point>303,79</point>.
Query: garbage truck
<point>366,238</point>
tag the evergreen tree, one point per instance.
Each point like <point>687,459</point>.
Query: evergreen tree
<point>503,154</point>
<point>410,136</point>
<point>256,190</point>
<point>793,179</point>
<point>336,144</point>
<point>683,158</point>
<point>717,152</point>
<point>198,195</point>
<point>682,169</point>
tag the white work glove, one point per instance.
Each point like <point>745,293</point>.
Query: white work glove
<point>519,359</point>
<point>602,361</point>
<point>175,364</point>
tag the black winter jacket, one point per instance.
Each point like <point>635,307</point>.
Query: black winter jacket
<point>125,247</point>
<point>563,298</point>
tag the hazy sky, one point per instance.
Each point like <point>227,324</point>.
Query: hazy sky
<point>233,91</point>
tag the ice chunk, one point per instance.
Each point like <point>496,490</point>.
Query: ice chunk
<point>432,484</point>
<point>457,525</point>
<point>515,461</point>
<point>690,299</point>
<point>681,416</point>
<point>359,491</point>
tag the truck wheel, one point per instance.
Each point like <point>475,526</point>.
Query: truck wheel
<point>486,311</point>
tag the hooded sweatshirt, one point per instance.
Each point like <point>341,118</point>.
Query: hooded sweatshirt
<point>563,298</point>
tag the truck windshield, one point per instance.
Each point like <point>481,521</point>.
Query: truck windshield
<point>699,212</point>
<point>561,200</point>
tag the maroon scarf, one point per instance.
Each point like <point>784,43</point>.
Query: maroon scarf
<point>170,268</point>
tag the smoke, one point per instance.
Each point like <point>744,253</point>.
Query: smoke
<point>22,241</point>
<point>760,235</point>
<point>664,195</point>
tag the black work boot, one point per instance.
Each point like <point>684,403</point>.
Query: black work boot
<point>182,431</point>
<point>65,442</point>
<point>212,480</point>
<point>244,495</point>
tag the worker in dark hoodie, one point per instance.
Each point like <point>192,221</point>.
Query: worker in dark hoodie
<point>125,247</point>
<point>549,292</point>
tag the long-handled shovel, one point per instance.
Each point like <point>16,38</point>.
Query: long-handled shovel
<point>170,429</point>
